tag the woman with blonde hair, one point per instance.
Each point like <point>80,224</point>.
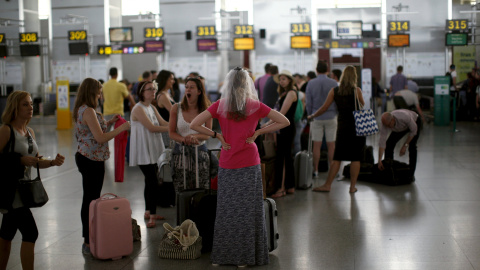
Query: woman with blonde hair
<point>348,146</point>
<point>16,216</point>
<point>240,235</point>
<point>92,146</point>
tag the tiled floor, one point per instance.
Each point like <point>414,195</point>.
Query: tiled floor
<point>431,224</point>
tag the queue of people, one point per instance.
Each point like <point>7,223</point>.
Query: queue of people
<point>239,239</point>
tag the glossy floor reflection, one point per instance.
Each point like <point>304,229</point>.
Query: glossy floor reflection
<point>431,224</point>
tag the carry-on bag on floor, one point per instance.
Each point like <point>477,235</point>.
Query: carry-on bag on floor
<point>271,214</point>
<point>395,173</point>
<point>110,226</point>
<point>303,166</point>
<point>366,166</point>
<point>199,205</point>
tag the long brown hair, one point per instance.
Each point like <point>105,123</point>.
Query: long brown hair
<point>87,95</point>
<point>290,85</point>
<point>13,102</point>
<point>348,81</point>
<point>202,102</point>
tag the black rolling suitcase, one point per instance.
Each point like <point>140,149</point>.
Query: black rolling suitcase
<point>271,214</point>
<point>199,205</point>
<point>395,173</point>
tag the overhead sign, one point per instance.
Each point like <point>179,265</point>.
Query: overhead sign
<point>133,49</point>
<point>301,42</point>
<point>300,28</point>
<point>349,28</point>
<point>152,32</point>
<point>28,37</point>
<point>243,29</point>
<point>108,49</point>
<point>2,38</point>
<point>244,44</point>
<point>457,25</point>
<point>401,40</point>
<point>154,46</point>
<point>349,43</point>
<point>77,35</point>
<point>456,39</point>
<point>206,31</point>
<point>398,26</point>
<point>207,45</point>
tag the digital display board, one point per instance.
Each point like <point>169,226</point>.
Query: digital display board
<point>244,44</point>
<point>208,30</point>
<point>300,28</point>
<point>243,29</point>
<point>77,35</point>
<point>121,34</point>
<point>456,39</point>
<point>154,46</point>
<point>401,40</point>
<point>2,38</point>
<point>207,45</point>
<point>28,37</point>
<point>398,26</point>
<point>3,51</point>
<point>109,49</point>
<point>301,42</point>
<point>152,32</point>
<point>75,48</point>
<point>349,28</point>
<point>457,25</point>
<point>29,49</point>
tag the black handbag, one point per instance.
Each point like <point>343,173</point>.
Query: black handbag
<point>32,192</point>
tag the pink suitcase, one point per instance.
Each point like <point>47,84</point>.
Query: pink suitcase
<point>110,227</point>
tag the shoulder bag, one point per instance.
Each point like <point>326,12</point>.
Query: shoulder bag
<point>182,242</point>
<point>32,192</point>
<point>365,122</point>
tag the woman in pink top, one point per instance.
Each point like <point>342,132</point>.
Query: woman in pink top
<point>240,235</point>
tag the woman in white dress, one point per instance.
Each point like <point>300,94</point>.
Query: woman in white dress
<point>146,144</point>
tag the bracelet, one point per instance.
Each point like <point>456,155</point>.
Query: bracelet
<point>51,163</point>
<point>214,134</point>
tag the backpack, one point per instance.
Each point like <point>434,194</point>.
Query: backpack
<point>298,111</point>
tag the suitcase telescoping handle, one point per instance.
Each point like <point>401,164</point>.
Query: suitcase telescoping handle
<point>197,183</point>
<point>310,151</point>
<point>111,196</point>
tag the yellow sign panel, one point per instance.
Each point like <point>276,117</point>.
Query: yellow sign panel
<point>152,32</point>
<point>301,42</point>
<point>28,37</point>
<point>206,31</point>
<point>2,38</point>
<point>77,35</point>
<point>64,118</point>
<point>399,40</point>
<point>244,44</point>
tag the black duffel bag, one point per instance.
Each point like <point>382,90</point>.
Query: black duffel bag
<point>395,173</point>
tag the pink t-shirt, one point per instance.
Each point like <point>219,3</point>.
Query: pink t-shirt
<point>241,154</point>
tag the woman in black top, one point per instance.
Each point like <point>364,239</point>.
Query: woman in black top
<point>348,146</point>
<point>287,103</point>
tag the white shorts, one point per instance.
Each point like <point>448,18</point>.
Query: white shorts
<point>329,127</point>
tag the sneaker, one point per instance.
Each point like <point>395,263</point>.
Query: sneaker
<point>315,174</point>
<point>85,249</point>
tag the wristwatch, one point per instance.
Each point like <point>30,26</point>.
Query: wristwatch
<point>406,145</point>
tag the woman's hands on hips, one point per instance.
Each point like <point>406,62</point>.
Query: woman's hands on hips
<point>225,145</point>
<point>253,138</point>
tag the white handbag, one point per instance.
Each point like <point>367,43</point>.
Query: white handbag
<point>365,122</point>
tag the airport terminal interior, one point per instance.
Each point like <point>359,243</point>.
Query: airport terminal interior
<point>48,47</point>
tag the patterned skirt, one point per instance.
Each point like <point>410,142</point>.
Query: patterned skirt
<point>177,164</point>
<point>240,235</point>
